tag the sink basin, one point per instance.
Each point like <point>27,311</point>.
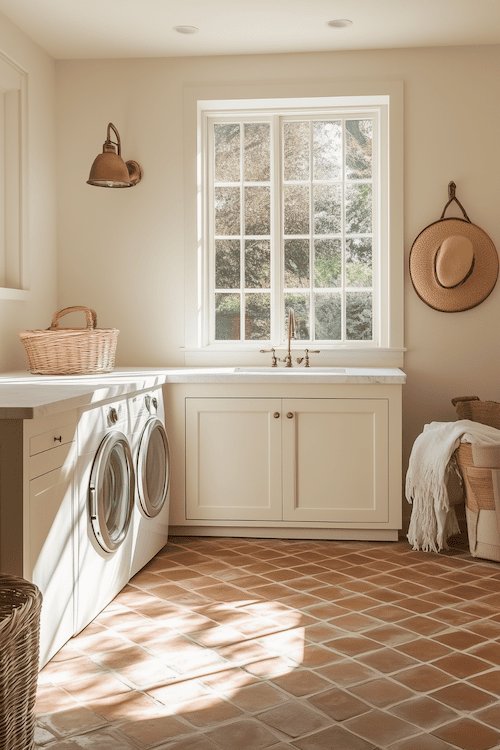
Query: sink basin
<point>292,370</point>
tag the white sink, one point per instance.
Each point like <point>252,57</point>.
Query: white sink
<point>292,370</point>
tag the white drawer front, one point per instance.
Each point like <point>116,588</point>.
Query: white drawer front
<point>51,459</point>
<point>52,439</point>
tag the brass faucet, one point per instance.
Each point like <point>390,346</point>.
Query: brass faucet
<point>291,335</point>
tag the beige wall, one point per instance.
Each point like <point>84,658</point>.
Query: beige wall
<point>35,310</point>
<point>122,251</point>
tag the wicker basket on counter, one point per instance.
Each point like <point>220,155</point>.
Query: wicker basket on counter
<point>20,606</point>
<point>471,407</point>
<point>71,351</point>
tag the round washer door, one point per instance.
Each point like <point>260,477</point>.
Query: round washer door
<point>153,468</point>
<point>112,483</point>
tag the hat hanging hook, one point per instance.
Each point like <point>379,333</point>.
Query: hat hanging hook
<point>452,197</point>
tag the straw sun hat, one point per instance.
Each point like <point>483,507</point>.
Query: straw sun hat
<point>453,263</point>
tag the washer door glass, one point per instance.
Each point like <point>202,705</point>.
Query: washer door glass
<point>153,468</point>
<point>112,491</point>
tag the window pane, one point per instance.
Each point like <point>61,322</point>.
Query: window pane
<point>296,264</point>
<point>358,262</point>
<point>300,306</point>
<point>227,317</point>
<point>359,149</point>
<point>296,150</point>
<point>327,150</point>
<point>227,210</point>
<point>258,317</point>
<point>358,199</point>
<point>296,209</point>
<point>327,263</point>
<point>227,264</point>
<point>258,264</point>
<point>328,315</point>
<point>227,152</point>
<point>257,152</point>
<point>358,316</point>
<point>257,210</point>
<point>327,209</point>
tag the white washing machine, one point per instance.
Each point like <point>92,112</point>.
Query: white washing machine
<point>152,471</point>
<point>104,501</point>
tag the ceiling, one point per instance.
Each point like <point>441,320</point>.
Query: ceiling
<point>78,29</point>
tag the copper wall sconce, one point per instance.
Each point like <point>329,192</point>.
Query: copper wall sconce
<point>109,169</point>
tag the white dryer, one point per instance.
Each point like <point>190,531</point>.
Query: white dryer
<point>152,471</point>
<point>104,508</point>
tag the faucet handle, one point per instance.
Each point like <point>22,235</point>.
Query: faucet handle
<point>274,361</point>
<point>308,352</point>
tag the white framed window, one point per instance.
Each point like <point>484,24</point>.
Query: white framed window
<point>299,206</point>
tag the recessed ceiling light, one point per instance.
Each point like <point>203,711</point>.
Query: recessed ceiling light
<point>339,23</point>
<point>186,29</point>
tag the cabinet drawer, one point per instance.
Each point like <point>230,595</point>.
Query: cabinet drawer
<point>52,439</point>
<point>52,459</point>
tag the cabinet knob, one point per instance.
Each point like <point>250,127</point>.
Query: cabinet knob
<point>290,415</point>
<point>276,415</point>
<point>58,438</point>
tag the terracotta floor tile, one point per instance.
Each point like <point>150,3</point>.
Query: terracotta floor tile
<point>423,678</point>
<point>294,719</point>
<point>206,711</point>
<point>387,660</point>
<point>423,625</point>
<point>463,697</point>
<point>380,728</point>
<point>489,681</point>
<point>346,673</point>
<point>387,612</point>
<point>322,631</point>
<point>422,742</point>
<point>353,645</point>
<point>462,665</point>
<point>418,606</point>
<point>453,617</point>
<point>425,712</point>
<point>338,704</point>
<point>301,682</point>
<point>333,737</point>
<point>228,680</point>
<point>72,720</point>
<point>489,651</point>
<point>486,628</point>
<point>177,692</point>
<point>267,668</point>
<point>354,622</point>
<point>151,731</point>
<point>244,733</point>
<point>459,639</point>
<point>258,697</point>
<point>424,649</point>
<point>131,705</point>
<point>390,635</point>
<point>468,735</point>
<point>357,603</point>
<point>381,692</point>
<point>326,611</point>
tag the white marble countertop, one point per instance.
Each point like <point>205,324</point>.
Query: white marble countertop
<point>27,396</point>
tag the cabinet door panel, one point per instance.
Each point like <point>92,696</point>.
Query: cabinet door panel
<point>233,459</point>
<point>51,557</point>
<point>335,460</point>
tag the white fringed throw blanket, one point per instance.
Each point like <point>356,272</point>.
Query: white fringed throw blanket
<point>432,519</point>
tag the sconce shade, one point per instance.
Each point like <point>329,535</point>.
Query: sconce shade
<point>109,169</point>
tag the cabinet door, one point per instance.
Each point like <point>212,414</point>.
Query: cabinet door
<point>51,556</point>
<point>335,460</point>
<point>233,459</point>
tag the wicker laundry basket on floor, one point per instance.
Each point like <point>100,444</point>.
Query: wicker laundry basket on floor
<point>20,605</point>
<point>483,518</point>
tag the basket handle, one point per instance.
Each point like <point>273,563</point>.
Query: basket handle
<point>458,399</point>
<point>90,316</point>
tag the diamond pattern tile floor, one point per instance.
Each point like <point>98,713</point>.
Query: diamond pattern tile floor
<point>272,644</point>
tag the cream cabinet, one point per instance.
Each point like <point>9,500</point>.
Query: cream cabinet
<point>37,462</point>
<point>298,460</point>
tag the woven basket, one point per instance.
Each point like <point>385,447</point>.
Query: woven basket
<point>478,483</point>
<point>471,407</point>
<point>71,351</point>
<point>20,605</point>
